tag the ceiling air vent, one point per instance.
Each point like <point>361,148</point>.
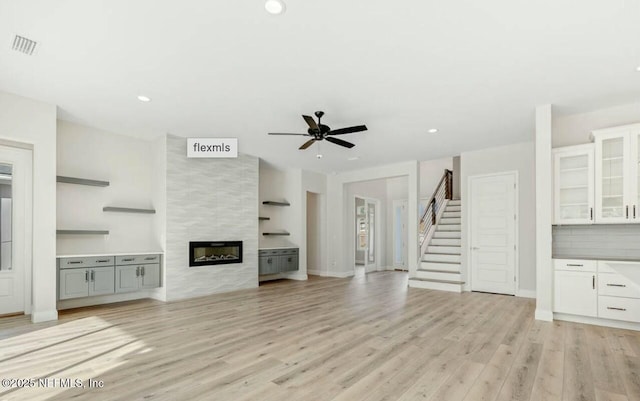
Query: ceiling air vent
<point>24,45</point>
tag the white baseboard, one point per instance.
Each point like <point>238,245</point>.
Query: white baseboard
<point>526,294</point>
<point>44,316</point>
<point>313,272</point>
<point>596,321</point>
<point>545,315</point>
<point>339,274</point>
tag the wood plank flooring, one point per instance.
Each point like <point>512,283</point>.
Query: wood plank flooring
<point>364,338</point>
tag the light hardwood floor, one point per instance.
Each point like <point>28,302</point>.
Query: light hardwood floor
<point>365,338</point>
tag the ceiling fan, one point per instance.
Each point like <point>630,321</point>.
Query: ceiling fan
<point>319,132</point>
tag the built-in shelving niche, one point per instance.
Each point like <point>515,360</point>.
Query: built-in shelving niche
<point>82,181</point>
<point>261,218</point>
<point>281,233</point>
<point>127,210</point>
<point>82,232</point>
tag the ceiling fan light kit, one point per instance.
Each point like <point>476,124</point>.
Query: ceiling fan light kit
<point>319,132</point>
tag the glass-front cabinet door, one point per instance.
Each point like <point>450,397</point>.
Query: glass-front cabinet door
<point>613,186</point>
<point>574,181</point>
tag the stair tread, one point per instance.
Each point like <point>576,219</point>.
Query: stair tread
<point>437,281</point>
<point>449,263</point>
<point>437,253</point>
<point>438,271</point>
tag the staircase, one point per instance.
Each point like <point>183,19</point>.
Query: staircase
<point>440,265</point>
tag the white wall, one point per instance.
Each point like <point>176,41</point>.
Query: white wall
<point>314,233</point>
<point>315,183</point>
<point>575,129</point>
<point>128,164</point>
<point>518,157</point>
<point>431,172</point>
<point>34,123</point>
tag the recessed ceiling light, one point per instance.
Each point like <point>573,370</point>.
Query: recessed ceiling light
<point>274,7</point>
<point>638,68</point>
<point>144,98</point>
<point>433,130</point>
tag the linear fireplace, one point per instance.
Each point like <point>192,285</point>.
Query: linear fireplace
<point>215,253</point>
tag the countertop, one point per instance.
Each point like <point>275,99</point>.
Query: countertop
<point>616,259</point>
<point>90,255</point>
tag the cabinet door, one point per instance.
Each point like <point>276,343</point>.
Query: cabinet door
<point>288,263</point>
<point>74,283</point>
<point>127,278</point>
<point>101,280</point>
<point>574,195</point>
<point>575,293</point>
<point>612,178</point>
<point>269,265</point>
<point>150,276</point>
<point>634,182</point>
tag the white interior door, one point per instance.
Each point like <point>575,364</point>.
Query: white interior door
<point>400,234</point>
<point>493,218</point>
<point>15,232</point>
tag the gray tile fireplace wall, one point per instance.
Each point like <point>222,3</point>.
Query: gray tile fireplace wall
<point>209,200</point>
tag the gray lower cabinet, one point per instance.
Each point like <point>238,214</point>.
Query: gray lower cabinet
<point>136,277</point>
<point>85,282</point>
<point>274,261</point>
<point>104,275</point>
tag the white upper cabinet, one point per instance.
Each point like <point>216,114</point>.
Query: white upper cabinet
<point>574,184</point>
<point>617,154</point>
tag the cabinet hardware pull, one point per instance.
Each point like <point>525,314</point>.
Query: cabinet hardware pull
<point>93,276</point>
<point>128,260</point>
<point>627,211</point>
<point>591,213</point>
<point>593,282</point>
<point>612,308</point>
<point>269,260</point>
<point>634,211</point>
<point>86,276</point>
<point>76,262</point>
<point>102,260</point>
<point>150,258</point>
<point>616,285</point>
<point>137,271</point>
<point>574,264</point>
<point>142,273</point>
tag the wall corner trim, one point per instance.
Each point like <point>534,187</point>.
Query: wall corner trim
<point>45,316</point>
<point>544,315</point>
<point>526,294</point>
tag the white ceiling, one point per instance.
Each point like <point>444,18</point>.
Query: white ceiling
<point>473,69</point>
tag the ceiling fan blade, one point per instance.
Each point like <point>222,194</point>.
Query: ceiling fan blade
<point>277,133</point>
<point>307,144</point>
<point>312,123</point>
<point>340,142</point>
<point>348,130</point>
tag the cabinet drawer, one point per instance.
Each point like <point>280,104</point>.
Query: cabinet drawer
<point>93,261</point>
<point>575,265</point>
<point>605,266</point>
<point>617,285</point>
<point>137,259</point>
<point>627,309</point>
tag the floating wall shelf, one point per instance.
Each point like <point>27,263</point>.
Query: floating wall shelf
<point>82,232</point>
<point>82,181</point>
<point>127,210</point>
<point>274,203</point>
<point>285,233</point>
<point>264,218</point>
